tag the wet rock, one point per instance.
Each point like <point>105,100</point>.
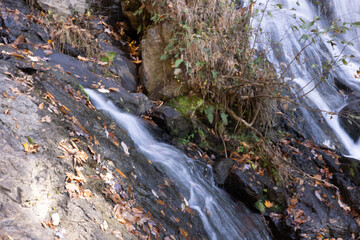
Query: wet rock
<point>349,118</point>
<point>221,170</point>
<point>172,121</point>
<point>64,7</point>
<point>245,184</point>
<point>158,76</point>
<point>349,180</point>
<point>135,103</point>
<point>120,65</point>
<point>321,194</point>
<point>16,25</point>
<point>111,8</point>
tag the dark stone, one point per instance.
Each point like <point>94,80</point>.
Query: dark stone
<point>110,8</point>
<point>349,118</point>
<point>172,121</point>
<point>221,170</point>
<point>121,66</point>
<point>135,103</point>
<point>245,184</point>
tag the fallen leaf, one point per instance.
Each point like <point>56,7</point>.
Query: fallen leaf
<point>46,119</point>
<point>34,59</point>
<point>126,149</point>
<point>103,90</point>
<point>30,148</point>
<point>121,173</point>
<point>317,194</point>
<point>268,204</point>
<point>183,232</point>
<point>41,105</point>
<point>55,219</point>
<point>7,111</point>
<point>114,89</point>
<point>104,226</point>
<point>87,193</point>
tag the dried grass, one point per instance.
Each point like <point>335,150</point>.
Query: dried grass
<point>213,39</point>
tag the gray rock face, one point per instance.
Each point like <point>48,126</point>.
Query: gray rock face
<point>64,7</point>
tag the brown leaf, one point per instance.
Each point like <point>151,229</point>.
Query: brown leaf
<point>183,232</point>
<point>17,55</point>
<point>160,202</point>
<point>30,148</point>
<point>46,119</point>
<point>87,193</point>
<point>41,105</point>
<point>121,173</point>
<point>117,144</point>
<point>114,89</point>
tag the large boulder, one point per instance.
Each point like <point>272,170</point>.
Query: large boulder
<point>156,75</point>
<point>349,119</point>
<point>64,7</point>
<point>172,121</point>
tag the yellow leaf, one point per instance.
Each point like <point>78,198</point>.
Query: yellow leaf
<point>268,204</point>
<point>41,106</point>
<point>121,173</point>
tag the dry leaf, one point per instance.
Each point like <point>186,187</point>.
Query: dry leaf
<point>41,105</point>
<point>46,119</point>
<point>104,226</point>
<point>103,90</point>
<point>30,148</point>
<point>114,89</point>
<point>126,149</point>
<point>268,204</point>
<point>121,173</point>
<point>317,194</point>
<point>87,193</point>
<point>183,233</point>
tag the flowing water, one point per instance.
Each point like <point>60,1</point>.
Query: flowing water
<point>221,218</point>
<point>282,45</point>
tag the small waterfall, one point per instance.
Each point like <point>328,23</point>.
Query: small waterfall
<point>221,218</point>
<point>305,74</point>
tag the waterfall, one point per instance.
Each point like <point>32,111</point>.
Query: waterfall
<point>221,218</point>
<point>305,74</point>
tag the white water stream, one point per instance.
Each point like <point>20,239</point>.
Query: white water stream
<point>221,218</point>
<point>283,43</point>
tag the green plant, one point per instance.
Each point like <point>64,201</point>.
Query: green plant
<point>260,205</point>
<point>108,57</point>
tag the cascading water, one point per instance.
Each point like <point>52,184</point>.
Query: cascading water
<point>305,73</point>
<point>221,218</point>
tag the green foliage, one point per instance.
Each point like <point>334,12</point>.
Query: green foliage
<point>260,205</point>
<point>30,140</point>
<point>187,105</point>
<point>108,57</point>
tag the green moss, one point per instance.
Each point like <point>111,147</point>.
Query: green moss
<point>260,205</point>
<point>83,91</point>
<point>186,105</point>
